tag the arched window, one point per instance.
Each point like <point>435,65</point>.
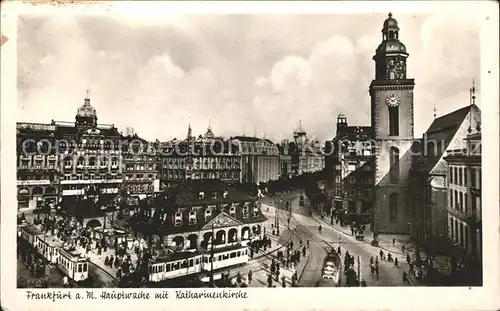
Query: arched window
<point>394,162</point>
<point>393,120</point>
<point>393,207</point>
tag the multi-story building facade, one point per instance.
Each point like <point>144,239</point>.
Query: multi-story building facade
<point>464,220</point>
<point>203,216</point>
<point>91,162</point>
<point>139,167</point>
<point>307,156</point>
<point>205,157</point>
<point>429,177</point>
<point>74,166</point>
<point>351,163</point>
<point>37,166</point>
<point>392,123</point>
<point>259,159</point>
<point>285,159</point>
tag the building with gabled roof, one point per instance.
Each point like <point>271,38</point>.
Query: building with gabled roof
<point>186,216</point>
<point>429,175</point>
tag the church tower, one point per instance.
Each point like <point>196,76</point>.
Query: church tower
<point>391,95</point>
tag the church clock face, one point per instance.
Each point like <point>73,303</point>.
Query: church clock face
<point>392,100</point>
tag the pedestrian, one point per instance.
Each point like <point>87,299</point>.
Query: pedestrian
<point>381,255</point>
<point>106,261</point>
<point>393,241</point>
<point>304,251</point>
<point>238,277</point>
<point>283,281</point>
<point>249,276</point>
<point>269,280</point>
<point>396,262</point>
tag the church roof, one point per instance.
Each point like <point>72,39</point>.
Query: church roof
<point>441,131</point>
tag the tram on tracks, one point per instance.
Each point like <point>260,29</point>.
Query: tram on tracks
<point>196,264</point>
<point>70,262</point>
<point>331,270</point>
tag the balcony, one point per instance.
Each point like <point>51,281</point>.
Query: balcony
<point>41,182</point>
<point>90,181</point>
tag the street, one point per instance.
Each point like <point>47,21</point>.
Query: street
<point>306,227</point>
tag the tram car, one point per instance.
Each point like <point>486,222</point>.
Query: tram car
<point>331,271</point>
<point>49,247</point>
<point>166,268</point>
<point>186,263</point>
<point>29,236</point>
<point>73,265</point>
<point>224,259</point>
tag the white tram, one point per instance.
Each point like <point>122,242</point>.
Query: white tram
<point>73,265</point>
<point>224,259</point>
<point>49,247</point>
<point>168,268</point>
<point>164,270</point>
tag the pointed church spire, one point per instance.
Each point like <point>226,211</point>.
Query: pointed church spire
<point>472,101</point>
<point>190,132</point>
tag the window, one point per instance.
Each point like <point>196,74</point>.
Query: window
<point>352,191</point>
<point>92,161</point>
<point>208,213</point>
<point>245,211</point>
<point>465,176</point>
<point>450,175</point>
<point>465,203</point>
<point>460,175</point>
<point>456,231</point>
<point>451,229</point>
<point>456,199</point>
<point>214,195</point>
<point>451,198</point>
<point>462,234</point>
<point>178,219</point>
<point>461,207</point>
<point>394,165</point>
<point>393,120</point>
<point>393,207</point>
<point>466,235</point>
<point>455,175</point>
<point>114,162</point>
<point>368,193</point>
<point>232,211</point>
<point>192,217</point>
<point>201,196</point>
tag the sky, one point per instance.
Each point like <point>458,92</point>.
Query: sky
<point>254,74</point>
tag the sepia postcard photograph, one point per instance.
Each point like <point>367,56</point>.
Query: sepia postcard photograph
<point>234,152</point>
